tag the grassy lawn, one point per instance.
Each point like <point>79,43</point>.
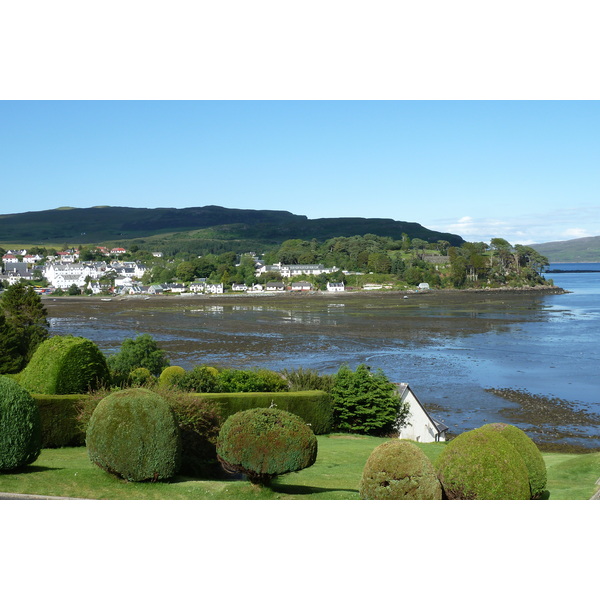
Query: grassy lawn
<point>335,476</point>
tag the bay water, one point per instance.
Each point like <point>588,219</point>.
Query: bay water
<point>450,348</point>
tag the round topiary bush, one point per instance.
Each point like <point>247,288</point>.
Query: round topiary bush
<point>170,375</point>
<point>482,465</point>
<point>65,365</point>
<point>530,453</point>
<point>265,442</point>
<point>399,470</point>
<point>141,377</point>
<point>20,426</point>
<point>133,434</point>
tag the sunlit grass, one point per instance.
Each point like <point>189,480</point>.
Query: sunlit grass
<point>335,476</point>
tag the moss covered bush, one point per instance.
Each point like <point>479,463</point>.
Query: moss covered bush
<point>65,365</point>
<point>133,434</point>
<point>265,442</point>
<point>20,426</point>
<point>482,465</point>
<point>399,470</point>
<point>530,453</point>
<point>170,375</point>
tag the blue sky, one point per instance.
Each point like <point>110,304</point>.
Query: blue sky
<point>523,170</point>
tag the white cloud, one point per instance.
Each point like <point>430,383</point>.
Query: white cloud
<point>526,229</point>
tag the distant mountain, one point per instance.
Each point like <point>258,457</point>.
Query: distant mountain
<point>104,224</point>
<point>578,250</point>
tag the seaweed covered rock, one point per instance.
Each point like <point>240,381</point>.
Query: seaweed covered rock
<point>20,426</point>
<point>65,365</point>
<point>399,470</point>
<point>133,434</point>
<point>482,465</point>
<point>265,442</point>
<point>534,461</point>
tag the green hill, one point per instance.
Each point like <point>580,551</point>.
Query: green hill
<point>571,251</point>
<point>205,226</point>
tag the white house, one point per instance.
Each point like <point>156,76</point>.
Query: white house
<point>275,286</point>
<point>421,426</point>
<point>335,287</point>
<point>239,287</point>
<point>301,286</point>
<point>214,288</point>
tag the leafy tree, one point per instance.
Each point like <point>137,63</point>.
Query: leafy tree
<point>26,315</point>
<point>185,271</point>
<point>73,290</point>
<point>143,351</point>
<point>366,402</point>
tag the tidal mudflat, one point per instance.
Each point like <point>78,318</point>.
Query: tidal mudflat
<point>452,347</point>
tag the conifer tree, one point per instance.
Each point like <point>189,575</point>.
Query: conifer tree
<point>26,316</point>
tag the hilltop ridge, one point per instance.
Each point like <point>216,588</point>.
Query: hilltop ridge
<point>67,225</point>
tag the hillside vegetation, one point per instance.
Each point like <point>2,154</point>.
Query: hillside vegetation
<point>571,251</point>
<point>201,229</point>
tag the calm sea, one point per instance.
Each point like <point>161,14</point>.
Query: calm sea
<point>449,354</point>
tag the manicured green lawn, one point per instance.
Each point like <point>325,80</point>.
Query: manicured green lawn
<point>335,476</point>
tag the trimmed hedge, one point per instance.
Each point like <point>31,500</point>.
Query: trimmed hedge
<point>314,407</point>
<point>265,442</point>
<point>65,365</point>
<point>530,453</point>
<point>133,434</point>
<point>482,465</point>
<point>170,375</point>
<point>20,429</point>
<point>59,420</point>
<point>399,470</point>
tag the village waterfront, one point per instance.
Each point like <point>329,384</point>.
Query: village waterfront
<point>525,357</point>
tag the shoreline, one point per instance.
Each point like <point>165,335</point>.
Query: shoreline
<point>541,290</point>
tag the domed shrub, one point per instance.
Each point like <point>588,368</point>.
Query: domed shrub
<point>170,375</point>
<point>265,442</point>
<point>482,465</point>
<point>65,365</point>
<point>141,377</point>
<point>399,470</point>
<point>530,453</point>
<point>133,434</point>
<point>20,426</point>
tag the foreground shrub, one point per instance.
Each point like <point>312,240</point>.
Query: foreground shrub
<point>265,442</point>
<point>170,375</point>
<point>314,408</point>
<point>530,453</point>
<point>60,420</point>
<point>141,377</point>
<point>200,379</point>
<point>365,402</point>
<point>307,379</point>
<point>261,380</point>
<point>65,365</point>
<point>199,421</point>
<point>143,351</point>
<point>20,428</point>
<point>399,470</point>
<point>133,434</point>
<point>482,465</point>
